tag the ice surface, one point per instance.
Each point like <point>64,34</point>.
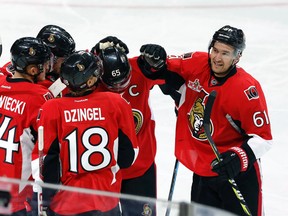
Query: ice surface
<point>180,26</point>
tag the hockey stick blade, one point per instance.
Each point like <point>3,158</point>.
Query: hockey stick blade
<point>207,127</point>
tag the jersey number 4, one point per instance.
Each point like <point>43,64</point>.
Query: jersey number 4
<point>8,144</point>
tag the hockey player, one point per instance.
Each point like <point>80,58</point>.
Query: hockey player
<point>91,135</point>
<point>239,122</point>
<point>62,45</point>
<point>122,75</point>
<point>20,100</point>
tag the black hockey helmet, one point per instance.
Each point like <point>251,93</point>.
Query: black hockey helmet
<point>29,50</point>
<point>58,39</point>
<point>78,68</point>
<point>117,69</point>
<point>231,36</point>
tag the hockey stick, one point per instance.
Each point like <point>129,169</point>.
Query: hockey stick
<point>207,114</point>
<point>40,152</point>
<point>0,46</point>
<point>172,186</point>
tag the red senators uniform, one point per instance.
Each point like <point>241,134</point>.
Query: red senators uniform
<point>20,101</point>
<point>83,133</point>
<point>7,69</point>
<point>243,113</point>
<point>137,95</point>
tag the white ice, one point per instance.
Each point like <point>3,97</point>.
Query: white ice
<point>180,26</point>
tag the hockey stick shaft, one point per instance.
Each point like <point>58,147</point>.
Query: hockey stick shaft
<point>40,152</point>
<point>207,115</point>
<point>172,186</point>
<point>0,46</point>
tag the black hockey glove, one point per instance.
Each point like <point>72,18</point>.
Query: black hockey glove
<point>231,163</point>
<point>152,61</point>
<point>154,55</point>
<point>32,207</point>
<point>108,42</point>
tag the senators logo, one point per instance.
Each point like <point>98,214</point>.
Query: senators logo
<point>147,211</point>
<point>48,96</point>
<point>196,117</point>
<point>252,93</point>
<point>138,120</point>
<point>51,38</point>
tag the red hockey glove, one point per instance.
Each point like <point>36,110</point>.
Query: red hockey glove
<point>232,162</point>
<point>108,42</point>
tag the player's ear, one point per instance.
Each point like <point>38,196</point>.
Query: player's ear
<point>32,70</point>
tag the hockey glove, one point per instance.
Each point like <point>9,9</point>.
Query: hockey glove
<point>231,163</point>
<point>154,55</point>
<point>109,42</point>
<point>32,207</point>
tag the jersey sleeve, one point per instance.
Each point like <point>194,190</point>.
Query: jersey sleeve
<point>254,118</point>
<point>7,69</point>
<point>136,69</point>
<point>185,64</point>
<point>126,125</point>
<point>38,101</point>
<point>48,120</point>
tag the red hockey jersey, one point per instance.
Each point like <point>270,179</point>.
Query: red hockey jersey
<point>137,95</point>
<point>7,69</point>
<point>239,113</point>
<point>82,133</point>
<point>20,101</point>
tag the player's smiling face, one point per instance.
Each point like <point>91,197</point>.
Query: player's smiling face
<point>222,57</point>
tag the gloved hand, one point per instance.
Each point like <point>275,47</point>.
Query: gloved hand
<point>108,42</point>
<point>154,55</point>
<point>231,163</point>
<point>32,207</point>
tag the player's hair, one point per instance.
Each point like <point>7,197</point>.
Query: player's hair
<point>58,39</point>
<point>117,69</point>
<point>27,51</point>
<point>78,68</point>
<point>230,35</point>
